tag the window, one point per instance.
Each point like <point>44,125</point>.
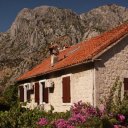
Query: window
<point>43,93</point>
<point>23,92</point>
<point>66,89</point>
<point>126,86</point>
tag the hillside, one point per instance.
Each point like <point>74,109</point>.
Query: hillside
<point>26,43</point>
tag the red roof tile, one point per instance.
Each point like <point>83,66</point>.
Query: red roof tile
<point>78,53</point>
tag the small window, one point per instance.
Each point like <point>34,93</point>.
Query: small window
<point>66,89</point>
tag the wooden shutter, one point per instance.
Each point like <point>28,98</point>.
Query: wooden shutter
<point>125,84</point>
<point>45,94</point>
<point>37,95</point>
<point>66,90</point>
<point>21,92</point>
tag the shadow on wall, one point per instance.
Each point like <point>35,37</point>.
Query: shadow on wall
<point>112,51</point>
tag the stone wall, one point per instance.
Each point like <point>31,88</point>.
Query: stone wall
<point>113,64</point>
<point>81,82</point>
<point>81,89</point>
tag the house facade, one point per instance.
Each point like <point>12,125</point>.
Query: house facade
<point>85,71</point>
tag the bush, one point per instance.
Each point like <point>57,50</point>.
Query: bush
<point>9,98</point>
<point>18,117</point>
<point>81,115</point>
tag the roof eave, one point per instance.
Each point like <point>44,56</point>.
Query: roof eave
<point>83,62</point>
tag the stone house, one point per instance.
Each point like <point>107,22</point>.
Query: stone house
<point>84,71</point>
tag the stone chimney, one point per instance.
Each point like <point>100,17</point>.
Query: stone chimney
<point>54,52</point>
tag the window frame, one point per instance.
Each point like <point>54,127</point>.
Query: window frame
<point>25,91</point>
<point>41,92</point>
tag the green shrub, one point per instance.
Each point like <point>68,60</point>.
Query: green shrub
<point>106,123</point>
<point>113,101</point>
<point>9,98</point>
<point>123,108</point>
<point>18,117</point>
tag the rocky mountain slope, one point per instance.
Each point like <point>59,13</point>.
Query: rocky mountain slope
<point>26,43</point>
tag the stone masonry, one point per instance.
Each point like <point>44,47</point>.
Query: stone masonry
<point>113,64</point>
<point>81,89</point>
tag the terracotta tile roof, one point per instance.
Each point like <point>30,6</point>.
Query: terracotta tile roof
<point>78,53</point>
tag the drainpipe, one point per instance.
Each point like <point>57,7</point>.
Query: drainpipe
<point>93,95</point>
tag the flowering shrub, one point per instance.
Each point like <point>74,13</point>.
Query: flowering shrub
<point>77,119</point>
<point>61,123</point>
<point>110,114</point>
<point>83,115</point>
<point>42,122</point>
<point>83,109</point>
<point>81,112</point>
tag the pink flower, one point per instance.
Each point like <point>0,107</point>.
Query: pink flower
<point>116,126</point>
<point>42,122</point>
<point>61,123</point>
<point>77,119</point>
<point>121,117</point>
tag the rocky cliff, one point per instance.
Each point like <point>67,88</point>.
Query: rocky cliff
<point>26,43</point>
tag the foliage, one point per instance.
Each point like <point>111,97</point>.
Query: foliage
<point>113,101</point>
<point>42,122</point>
<point>18,117</point>
<point>123,108</point>
<point>116,108</point>
<point>112,114</point>
<point>81,115</point>
<point>10,97</point>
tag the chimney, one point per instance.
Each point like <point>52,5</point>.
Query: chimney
<point>54,53</point>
